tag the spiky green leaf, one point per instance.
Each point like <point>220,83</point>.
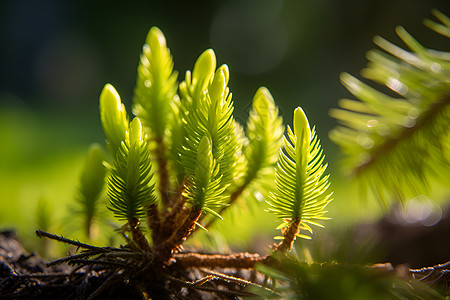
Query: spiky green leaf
<point>203,188</point>
<point>302,188</point>
<point>114,118</point>
<point>207,109</point>
<point>394,144</point>
<point>264,132</point>
<point>156,84</point>
<point>90,190</point>
<point>129,187</point>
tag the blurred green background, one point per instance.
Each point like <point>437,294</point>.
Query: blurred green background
<point>56,56</point>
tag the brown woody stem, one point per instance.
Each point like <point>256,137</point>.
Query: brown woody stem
<point>160,152</point>
<point>138,236</point>
<point>243,260</point>
<point>182,233</point>
<point>289,236</point>
<point>171,218</point>
<point>154,222</point>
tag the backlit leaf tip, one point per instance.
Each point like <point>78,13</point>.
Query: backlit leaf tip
<point>264,132</point>
<point>217,88</point>
<point>203,71</point>
<point>156,85</point>
<point>135,131</point>
<point>114,118</point>
<point>155,39</point>
<point>301,195</point>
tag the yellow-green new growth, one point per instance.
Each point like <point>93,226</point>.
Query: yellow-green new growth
<point>114,118</point>
<point>90,190</point>
<point>203,188</point>
<point>207,106</point>
<point>128,185</point>
<point>156,84</point>
<point>264,131</point>
<point>301,195</point>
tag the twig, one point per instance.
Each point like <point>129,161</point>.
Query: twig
<point>242,260</point>
<point>181,234</point>
<point>40,234</point>
<point>97,262</point>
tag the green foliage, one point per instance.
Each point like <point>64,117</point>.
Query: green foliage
<point>395,144</point>
<point>90,190</point>
<point>203,188</point>
<point>129,188</point>
<point>156,84</point>
<point>299,280</point>
<point>114,118</point>
<point>301,186</point>
<point>264,132</point>
<point>208,110</point>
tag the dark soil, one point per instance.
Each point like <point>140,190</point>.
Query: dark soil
<point>25,276</point>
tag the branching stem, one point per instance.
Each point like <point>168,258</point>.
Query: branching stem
<point>182,233</point>
<point>426,120</point>
<point>242,260</point>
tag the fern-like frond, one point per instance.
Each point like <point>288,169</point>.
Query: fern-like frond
<point>207,109</point>
<point>395,144</point>
<point>156,84</point>
<point>264,132</point>
<point>90,190</point>
<point>203,188</point>
<point>114,118</point>
<point>129,188</point>
<point>302,188</point>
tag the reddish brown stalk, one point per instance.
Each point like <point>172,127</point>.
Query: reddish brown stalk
<point>243,260</point>
<point>181,234</point>
<point>171,218</point>
<point>154,222</point>
<point>160,152</point>
<point>138,236</point>
<point>289,236</point>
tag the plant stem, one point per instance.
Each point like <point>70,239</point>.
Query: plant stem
<point>181,234</point>
<point>172,217</point>
<point>242,260</point>
<point>154,222</point>
<point>160,152</point>
<point>289,236</point>
<point>40,234</point>
<point>425,120</point>
<point>138,236</point>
